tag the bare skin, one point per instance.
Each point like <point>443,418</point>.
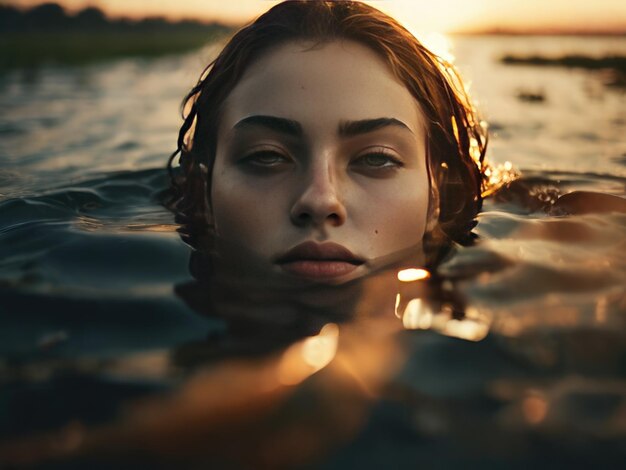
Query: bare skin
<point>320,171</point>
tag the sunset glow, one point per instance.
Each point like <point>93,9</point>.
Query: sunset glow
<point>419,17</point>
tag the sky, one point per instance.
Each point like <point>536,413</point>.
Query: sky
<point>418,15</point>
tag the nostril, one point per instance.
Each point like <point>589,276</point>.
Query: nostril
<point>334,219</point>
<point>307,217</point>
<point>303,218</point>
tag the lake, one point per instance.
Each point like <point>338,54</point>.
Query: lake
<point>511,354</point>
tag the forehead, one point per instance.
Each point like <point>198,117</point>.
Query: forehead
<point>313,84</point>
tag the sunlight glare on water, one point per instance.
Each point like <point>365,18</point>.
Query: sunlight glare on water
<point>413,274</point>
<point>308,356</point>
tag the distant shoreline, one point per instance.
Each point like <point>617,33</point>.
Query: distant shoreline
<point>52,17</point>
<point>574,61</point>
<point>18,50</point>
<point>615,65</point>
<point>47,34</point>
<point>541,32</point>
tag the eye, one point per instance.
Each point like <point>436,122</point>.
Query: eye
<point>265,159</point>
<point>379,159</point>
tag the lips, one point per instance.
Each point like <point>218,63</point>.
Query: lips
<point>319,261</point>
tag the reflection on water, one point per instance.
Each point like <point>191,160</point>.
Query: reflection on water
<point>509,352</point>
<point>304,358</point>
<point>433,310</point>
<point>419,316</point>
<point>413,274</point>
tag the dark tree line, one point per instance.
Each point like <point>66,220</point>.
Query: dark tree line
<point>52,17</point>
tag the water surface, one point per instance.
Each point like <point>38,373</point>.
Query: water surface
<point>512,354</point>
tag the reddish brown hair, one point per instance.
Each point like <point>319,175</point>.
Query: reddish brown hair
<point>456,140</point>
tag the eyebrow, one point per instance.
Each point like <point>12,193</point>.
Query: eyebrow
<point>278,124</point>
<point>294,128</point>
<point>353,128</point>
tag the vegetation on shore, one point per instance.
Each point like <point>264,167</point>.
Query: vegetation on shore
<point>614,65</point>
<point>48,34</point>
<point>609,62</point>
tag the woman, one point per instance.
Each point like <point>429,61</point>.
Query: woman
<point>323,143</point>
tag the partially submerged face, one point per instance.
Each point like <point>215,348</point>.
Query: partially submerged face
<point>320,171</point>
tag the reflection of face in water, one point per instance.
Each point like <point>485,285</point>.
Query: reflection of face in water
<point>320,171</point>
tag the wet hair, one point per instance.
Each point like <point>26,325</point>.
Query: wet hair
<point>456,140</point>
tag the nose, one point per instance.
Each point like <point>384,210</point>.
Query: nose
<point>319,202</point>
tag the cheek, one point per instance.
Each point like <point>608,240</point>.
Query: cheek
<point>243,213</point>
<point>396,217</point>
<point>233,215</point>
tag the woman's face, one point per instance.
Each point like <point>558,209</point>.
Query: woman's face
<point>320,171</point>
